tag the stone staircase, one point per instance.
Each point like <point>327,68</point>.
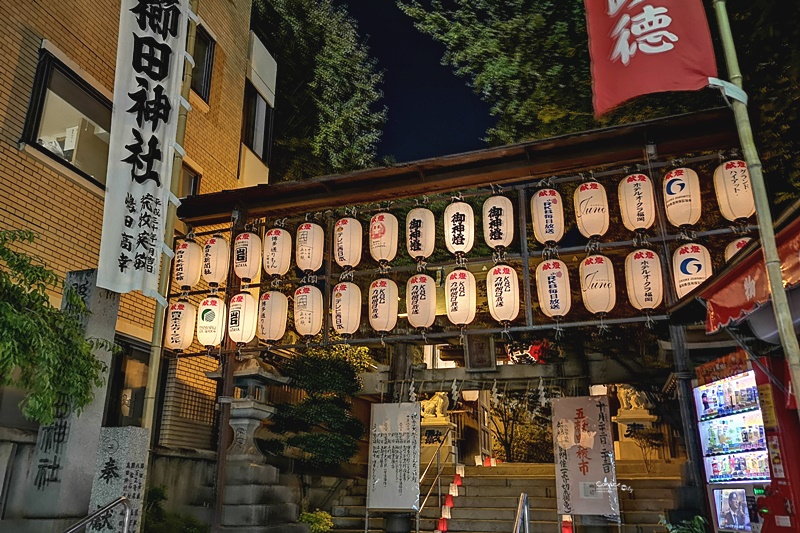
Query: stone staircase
<point>488,499</point>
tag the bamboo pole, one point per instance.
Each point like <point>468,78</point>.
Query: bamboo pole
<point>772,262</point>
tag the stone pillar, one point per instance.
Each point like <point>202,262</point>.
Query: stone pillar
<point>60,482</point>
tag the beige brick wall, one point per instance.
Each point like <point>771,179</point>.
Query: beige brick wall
<point>60,206</point>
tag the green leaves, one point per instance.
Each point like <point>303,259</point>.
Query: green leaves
<point>42,348</point>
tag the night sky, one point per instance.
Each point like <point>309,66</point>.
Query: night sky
<point>432,112</point>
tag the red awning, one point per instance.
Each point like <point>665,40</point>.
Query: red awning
<point>738,292</point>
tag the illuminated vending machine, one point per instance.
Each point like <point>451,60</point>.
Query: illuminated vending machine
<point>734,447</point>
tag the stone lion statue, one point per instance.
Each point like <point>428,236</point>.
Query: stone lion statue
<point>631,399</point>
<point>436,406</point>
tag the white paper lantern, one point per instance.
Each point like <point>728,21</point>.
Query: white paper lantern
<point>308,310</point>
<point>420,233</point>
<point>498,221</point>
<point>211,318</point>
<point>421,301</point>
<point>346,308</point>
<point>347,238</point>
<point>459,228</point>
<point>547,213</point>
<point>216,258</point>
<point>643,279</point>
<point>553,289</point>
<point>188,264</point>
<point>383,295</point>
<point>246,255</point>
<point>682,197</point>
<point>598,285</point>
<point>309,247</point>
<point>180,325</point>
<point>273,313</point>
<point>470,395</point>
<point>637,202</point>
<point>691,266</point>
<point>502,292</point>
<point>734,191</point>
<point>461,297</point>
<point>383,235</point>
<point>242,317</point>
<point>591,209</point>
<point>734,247</point>
<point>277,251</point>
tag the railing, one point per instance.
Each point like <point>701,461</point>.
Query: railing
<point>523,515</point>
<point>122,500</point>
<point>438,479</point>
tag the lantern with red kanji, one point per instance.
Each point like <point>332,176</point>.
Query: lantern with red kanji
<point>459,228</point>
<point>216,257</point>
<point>691,266</point>
<point>502,292</point>
<point>188,264</point>
<point>211,318</point>
<point>383,234</point>
<point>591,209</point>
<point>242,318</point>
<point>246,255</point>
<point>180,325</point>
<point>498,222</point>
<point>421,301</point>
<point>383,305</point>
<point>637,202</point>
<point>682,198</point>
<point>277,251</point>
<point>547,212</point>
<point>308,310</point>
<point>346,308</point>
<point>273,313</point>
<point>420,233</point>
<point>347,237</point>
<point>734,247</point>
<point>734,191</point>
<point>598,285</point>
<point>644,280</point>
<point>553,289</point>
<point>309,247</point>
<point>460,297</point>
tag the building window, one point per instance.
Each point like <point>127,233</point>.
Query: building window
<point>127,384</point>
<point>68,119</point>
<point>257,123</point>
<point>203,63</point>
<point>190,182</point>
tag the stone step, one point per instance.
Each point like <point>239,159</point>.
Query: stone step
<point>255,515</point>
<point>283,528</point>
<point>250,474</point>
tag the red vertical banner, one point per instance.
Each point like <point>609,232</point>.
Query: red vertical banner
<point>646,46</point>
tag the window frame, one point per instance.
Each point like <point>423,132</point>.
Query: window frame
<point>46,64</point>
<point>197,178</point>
<point>204,91</point>
<point>247,124</point>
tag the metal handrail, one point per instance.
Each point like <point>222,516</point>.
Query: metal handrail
<point>85,521</point>
<point>435,454</point>
<point>438,456</point>
<point>523,514</point>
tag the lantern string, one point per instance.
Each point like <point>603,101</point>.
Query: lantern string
<point>462,336</point>
<point>559,329</point>
<point>383,340</point>
<point>421,266</point>
<point>458,197</point>
<point>650,322</point>
<point>602,328</point>
<point>281,222</point>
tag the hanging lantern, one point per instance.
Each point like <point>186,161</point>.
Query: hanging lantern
<point>459,228</point>
<point>421,301</point>
<point>180,325</point>
<point>211,321</point>
<point>460,292</point>
<point>591,209</point>
<point>383,233</point>
<point>502,291</point>
<point>682,197</point>
<point>547,213</point>
<point>383,305</point>
<point>552,288</point>
<point>691,265</point>
<point>637,202</point>
<point>216,256</point>
<point>188,264</point>
<point>598,286</point>
<point>277,251</point>
<point>734,247</point>
<point>309,247</point>
<point>470,396</point>
<point>734,192</point>
<point>347,235</point>
<point>498,222</point>
<point>420,233</point>
<point>308,310</point>
<point>242,317</point>
<point>346,308</point>
<point>273,312</point>
<point>643,279</point>
<point>246,255</point>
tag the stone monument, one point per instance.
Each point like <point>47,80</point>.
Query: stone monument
<point>634,414</point>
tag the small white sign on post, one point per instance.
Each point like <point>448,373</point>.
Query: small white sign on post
<point>394,457</point>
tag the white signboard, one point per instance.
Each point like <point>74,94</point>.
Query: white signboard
<point>150,57</point>
<point>586,479</point>
<point>394,457</point>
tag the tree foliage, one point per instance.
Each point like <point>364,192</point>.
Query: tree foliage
<point>42,348</point>
<point>521,428</point>
<point>529,59</point>
<point>327,114</point>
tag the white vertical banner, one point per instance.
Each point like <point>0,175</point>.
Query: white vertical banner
<point>586,478</point>
<point>393,482</point>
<point>147,83</point>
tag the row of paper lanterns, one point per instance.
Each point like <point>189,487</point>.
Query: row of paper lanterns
<point>682,203</point>
<point>267,318</point>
